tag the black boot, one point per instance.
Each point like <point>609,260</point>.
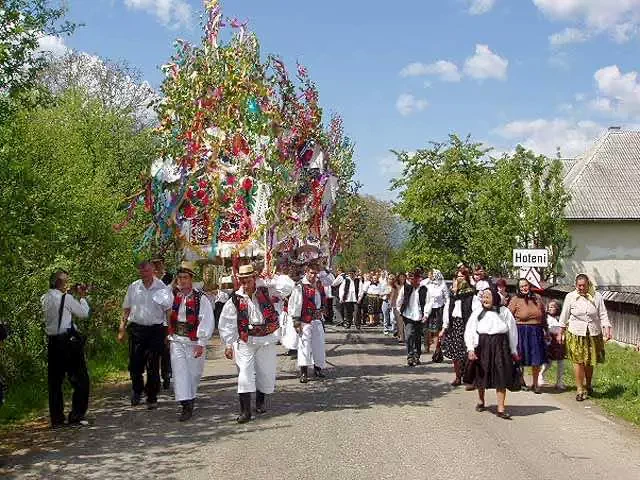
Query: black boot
<point>245,408</point>
<point>304,374</point>
<point>318,372</point>
<point>261,402</point>
<point>187,410</point>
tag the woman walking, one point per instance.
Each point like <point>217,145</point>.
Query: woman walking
<point>437,299</point>
<point>491,338</point>
<point>529,312</point>
<point>585,316</point>
<point>452,333</point>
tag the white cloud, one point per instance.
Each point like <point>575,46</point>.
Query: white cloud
<point>618,18</point>
<point>567,36</point>
<point>168,12</point>
<point>390,165</point>
<point>445,70</point>
<point>480,7</point>
<point>618,92</point>
<point>486,64</point>
<point>53,45</point>
<point>546,136</point>
<point>408,104</point>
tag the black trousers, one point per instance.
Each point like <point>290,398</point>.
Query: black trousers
<point>351,314</point>
<point>413,337</point>
<point>146,345</point>
<point>328,310</point>
<point>66,359</point>
<point>165,359</point>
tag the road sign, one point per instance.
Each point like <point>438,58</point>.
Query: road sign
<point>530,258</point>
<point>531,274</point>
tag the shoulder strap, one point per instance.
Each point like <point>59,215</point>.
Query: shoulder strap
<point>61,311</point>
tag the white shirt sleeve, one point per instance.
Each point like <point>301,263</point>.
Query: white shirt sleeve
<point>400,300</point>
<point>295,303</point>
<point>602,311</point>
<point>127,298</point>
<point>280,286</point>
<point>206,323</point>
<point>428,304</point>
<point>566,311</point>
<point>228,324</point>
<point>163,297</point>
<point>513,329</point>
<point>79,309</point>
<point>445,313</point>
<point>471,337</point>
<point>363,290</point>
<point>339,279</point>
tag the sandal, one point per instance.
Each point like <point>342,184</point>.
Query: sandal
<point>503,415</point>
<point>581,397</point>
<point>456,383</point>
<point>480,407</point>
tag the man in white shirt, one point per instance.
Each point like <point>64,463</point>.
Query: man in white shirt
<point>349,295</point>
<point>327,278</point>
<point>249,328</point>
<point>65,352</point>
<point>191,325</point>
<point>306,311</point>
<point>411,304</point>
<point>144,320</point>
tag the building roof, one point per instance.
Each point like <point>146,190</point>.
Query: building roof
<point>610,293</point>
<point>604,183</point>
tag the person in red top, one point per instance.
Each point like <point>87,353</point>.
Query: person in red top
<point>307,315</point>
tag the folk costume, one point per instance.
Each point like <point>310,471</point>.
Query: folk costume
<point>191,324</point>
<point>251,327</point>
<point>412,302</point>
<point>307,313</point>
<point>349,294</point>
<point>327,278</point>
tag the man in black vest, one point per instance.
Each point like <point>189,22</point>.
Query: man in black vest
<point>349,294</point>
<point>411,302</point>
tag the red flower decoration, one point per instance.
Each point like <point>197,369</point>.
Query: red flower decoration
<point>190,193</point>
<point>231,180</point>
<point>202,184</point>
<point>201,194</point>
<point>247,184</point>
<point>190,211</point>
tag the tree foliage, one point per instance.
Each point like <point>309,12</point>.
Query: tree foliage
<point>463,205</point>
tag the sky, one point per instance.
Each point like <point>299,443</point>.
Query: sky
<point>546,74</point>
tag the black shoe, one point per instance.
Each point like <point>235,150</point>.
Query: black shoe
<point>411,362</point>
<point>417,361</point>
<point>245,408</point>
<point>57,425</point>
<point>152,405</point>
<point>77,420</point>
<point>503,415</point>
<point>480,407</point>
<point>318,372</point>
<point>187,410</point>
<point>261,400</point>
<point>166,383</point>
<point>135,399</point>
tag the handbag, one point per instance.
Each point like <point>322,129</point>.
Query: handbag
<point>518,378</point>
<point>438,356</point>
<point>470,372</point>
<point>76,340</point>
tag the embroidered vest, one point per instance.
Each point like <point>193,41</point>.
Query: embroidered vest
<point>192,305</point>
<point>309,309</point>
<point>271,321</point>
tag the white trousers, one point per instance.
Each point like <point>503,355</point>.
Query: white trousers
<point>311,345</point>
<point>257,365</point>
<point>186,370</point>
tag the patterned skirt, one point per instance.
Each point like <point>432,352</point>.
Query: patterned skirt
<point>588,350</point>
<point>374,304</point>
<point>434,322</point>
<point>531,345</point>
<point>453,346</point>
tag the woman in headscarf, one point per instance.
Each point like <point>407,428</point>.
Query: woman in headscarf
<point>491,338</point>
<point>437,301</point>
<point>453,324</point>
<point>529,311</point>
<point>585,316</point>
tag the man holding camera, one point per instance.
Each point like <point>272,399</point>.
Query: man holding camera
<point>144,320</point>
<point>65,353</point>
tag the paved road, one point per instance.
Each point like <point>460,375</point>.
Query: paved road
<point>372,418</point>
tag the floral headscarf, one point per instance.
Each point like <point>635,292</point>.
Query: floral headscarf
<point>438,278</point>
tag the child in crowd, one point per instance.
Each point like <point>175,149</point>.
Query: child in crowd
<point>556,349</point>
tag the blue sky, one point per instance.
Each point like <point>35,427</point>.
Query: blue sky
<point>545,73</point>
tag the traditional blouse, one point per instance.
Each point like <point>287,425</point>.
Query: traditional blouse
<point>582,315</point>
<point>492,323</point>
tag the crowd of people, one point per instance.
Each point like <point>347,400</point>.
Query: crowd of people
<point>487,333</point>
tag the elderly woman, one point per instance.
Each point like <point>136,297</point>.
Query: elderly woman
<point>586,318</point>
<point>452,333</point>
<point>491,338</point>
<point>529,312</point>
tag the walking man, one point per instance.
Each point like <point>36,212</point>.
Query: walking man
<point>143,319</point>
<point>65,349</point>
<point>307,314</point>
<point>191,324</point>
<point>412,299</point>
<point>165,358</point>
<point>349,295</point>
<point>249,328</point>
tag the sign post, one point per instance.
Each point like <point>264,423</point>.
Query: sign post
<point>529,260</point>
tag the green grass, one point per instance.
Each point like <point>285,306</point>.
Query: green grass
<point>29,399</point>
<point>616,382</point>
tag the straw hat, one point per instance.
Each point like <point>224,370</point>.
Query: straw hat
<point>226,280</point>
<point>188,267</point>
<point>246,271</point>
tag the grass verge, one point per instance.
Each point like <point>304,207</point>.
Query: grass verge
<point>616,382</point>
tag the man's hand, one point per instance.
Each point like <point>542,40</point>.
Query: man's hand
<point>297,325</point>
<point>122,333</point>
<point>228,353</point>
<point>198,350</point>
<point>473,356</point>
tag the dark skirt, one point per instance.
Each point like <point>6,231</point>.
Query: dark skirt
<point>531,345</point>
<point>495,363</point>
<point>434,322</point>
<point>453,346</point>
<point>374,305</point>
